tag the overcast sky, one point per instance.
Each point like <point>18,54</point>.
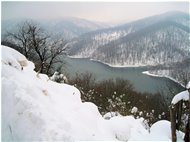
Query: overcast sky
<point>114,12</point>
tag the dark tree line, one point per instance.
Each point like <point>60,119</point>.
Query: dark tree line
<point>38,46</point>
<point>118,95</point>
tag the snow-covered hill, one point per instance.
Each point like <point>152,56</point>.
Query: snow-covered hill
<point>35,108</point>
<point>160,39</point>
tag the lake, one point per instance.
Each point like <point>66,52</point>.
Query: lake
<point>141,82</point>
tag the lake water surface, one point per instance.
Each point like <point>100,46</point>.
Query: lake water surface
<point>141,82</point>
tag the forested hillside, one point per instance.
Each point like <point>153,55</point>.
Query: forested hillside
<point>160,39</point>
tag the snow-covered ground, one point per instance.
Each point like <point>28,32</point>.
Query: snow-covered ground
<point>35,108</point>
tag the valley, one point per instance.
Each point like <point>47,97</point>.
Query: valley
<point>141,82</point>
<point>158,43</point>
<point>95,71</point>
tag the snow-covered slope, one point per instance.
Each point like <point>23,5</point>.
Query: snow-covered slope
<point>34,109</point>
<point>160,39</point>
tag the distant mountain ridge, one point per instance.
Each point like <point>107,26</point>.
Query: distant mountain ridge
<point>71,27</point>
<point>160,39</point>
<point>66,27</point>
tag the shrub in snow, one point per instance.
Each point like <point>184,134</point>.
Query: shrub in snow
<point>140,113</point>
<point>159,116</point>
<point>58,77</point>
<point>134,110</point>
<point>118,95</point>
<point>145,124</point>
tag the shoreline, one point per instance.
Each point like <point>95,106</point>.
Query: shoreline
<point>118,66</point>
<point>130,66</point>
<point>110,65</point>
<point>74,57</point>
<point>166,76</point>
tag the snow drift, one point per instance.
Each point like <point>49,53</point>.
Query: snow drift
<point>35,108</point>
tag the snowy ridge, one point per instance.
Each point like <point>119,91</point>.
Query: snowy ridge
<point>158,40</point>
<point>35,108</point>
<point>67,27</point>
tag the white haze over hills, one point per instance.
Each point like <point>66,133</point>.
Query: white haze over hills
<point>66,28</point>
<point>35,108</point>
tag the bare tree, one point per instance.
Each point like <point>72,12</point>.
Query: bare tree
<point>21,38</point>
<point>38,46</point>
<point>38,43</point>
<point>56,50</point>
